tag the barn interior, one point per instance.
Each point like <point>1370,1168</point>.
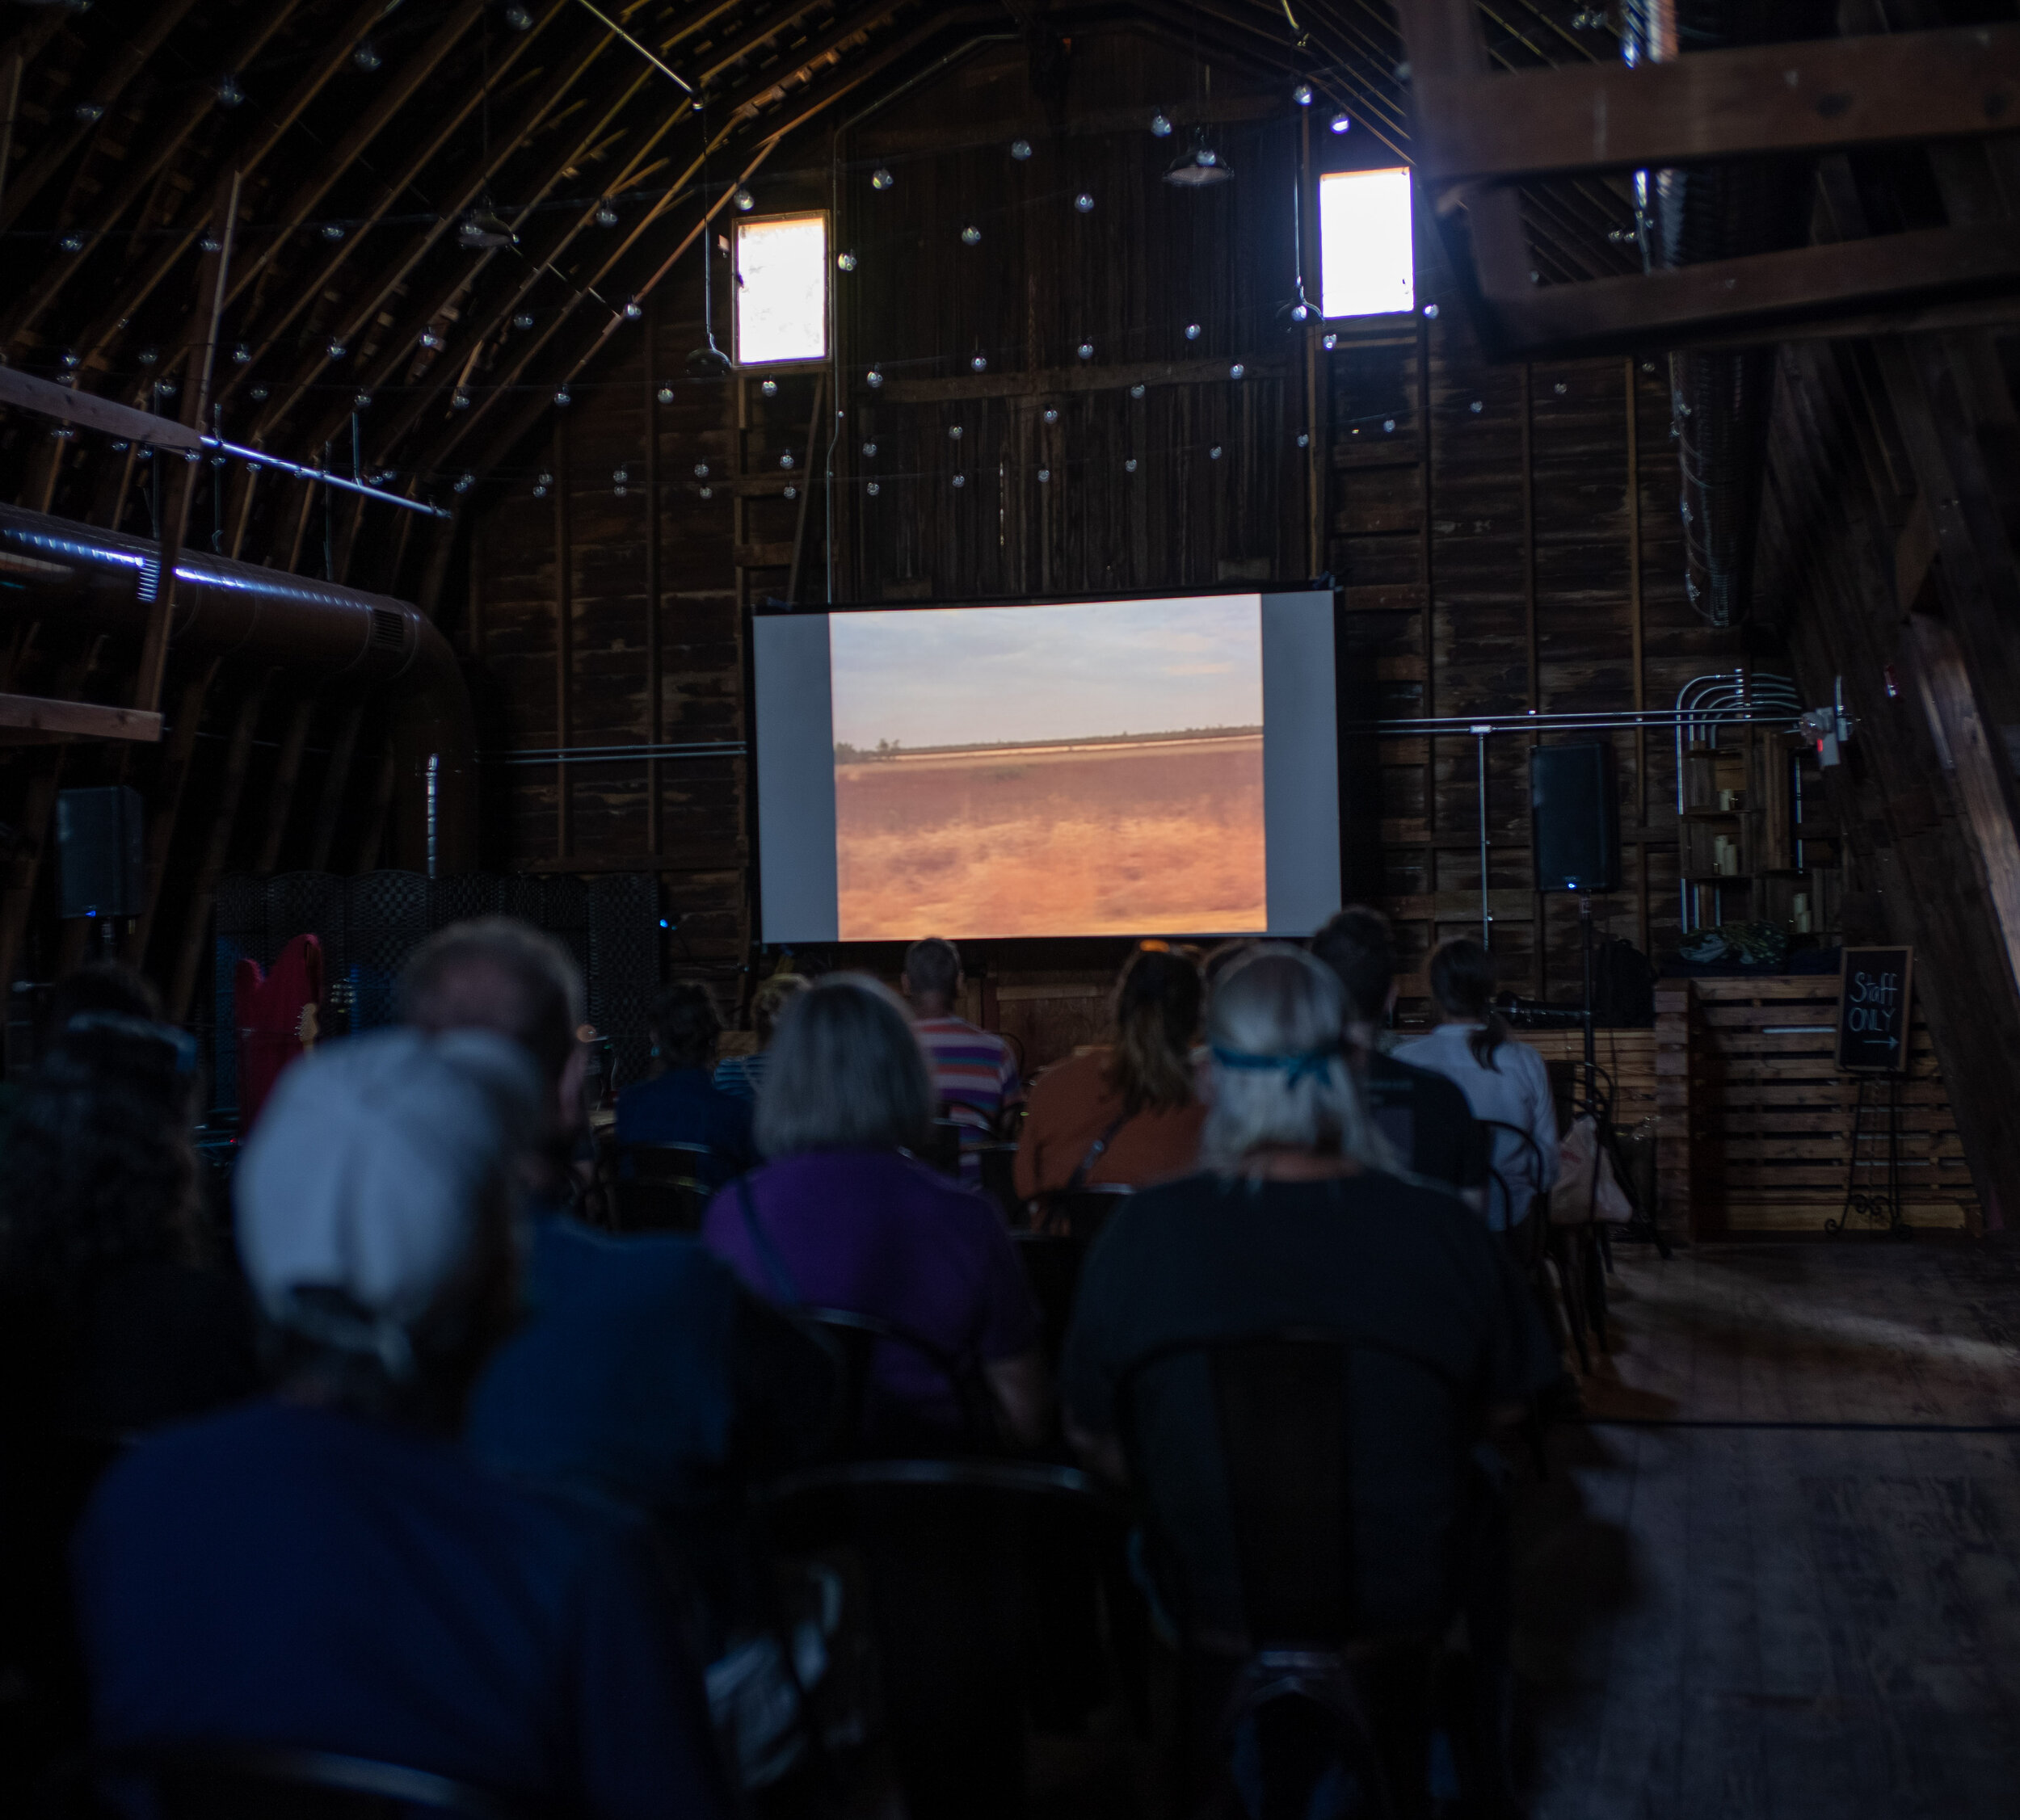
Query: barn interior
<point>413,413</point>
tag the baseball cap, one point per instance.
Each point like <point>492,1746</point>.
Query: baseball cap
<point>367,1174</point>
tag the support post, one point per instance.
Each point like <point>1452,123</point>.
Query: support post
<point>213,274</point>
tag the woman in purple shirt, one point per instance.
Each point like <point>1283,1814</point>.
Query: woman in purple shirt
<point>842,1216</point>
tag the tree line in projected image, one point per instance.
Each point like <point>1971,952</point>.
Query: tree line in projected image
<point>970,801</point>
<point>885,749</point>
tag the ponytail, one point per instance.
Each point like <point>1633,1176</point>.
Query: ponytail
<point>1462,980</point>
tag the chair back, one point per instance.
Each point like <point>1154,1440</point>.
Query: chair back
<point>986,1585</point>
<point>662,1187</point>
<point>1081,1213</point>
<point>1052,1263</point>
<point>873,1422</point>
<point>943,1146</point>
<point>225,1781</point>
<point>1285,1409</point>
<point>999,1180</point>
<point>1513,1169</point>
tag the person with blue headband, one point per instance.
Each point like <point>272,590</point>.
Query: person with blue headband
<point>1296,1222</point>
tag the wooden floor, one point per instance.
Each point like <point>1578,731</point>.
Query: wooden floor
<point>1778,1572</point>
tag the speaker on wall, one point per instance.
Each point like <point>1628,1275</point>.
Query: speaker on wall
<point>98,858</point>
<point>1574,818</point>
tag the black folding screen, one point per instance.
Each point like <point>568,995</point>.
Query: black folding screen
<point>369,926</point>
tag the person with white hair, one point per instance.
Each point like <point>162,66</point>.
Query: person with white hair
<point>326,1568</point>
<point>1295,1224</point>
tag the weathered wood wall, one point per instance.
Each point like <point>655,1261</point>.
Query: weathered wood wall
<point>1505,538</point>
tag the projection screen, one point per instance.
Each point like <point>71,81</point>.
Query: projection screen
<point>1137,767</point>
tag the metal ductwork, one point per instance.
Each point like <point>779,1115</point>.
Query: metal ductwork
<point>316,631</point>
<point>1720,402</point>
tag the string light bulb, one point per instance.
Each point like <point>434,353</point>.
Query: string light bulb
<point>1160,126</point>
<point>770,389</point>
<point>562,398</point>
<point>229,93</point>
<point>744,200</point>
<point>1084,203</point>
<point>459,400</point>
<point>846,261</point>
<point>872,490</point>
<point>875,376</point>
<point>1301,94</point>
<point>1192,331</point>
<point>1339,123</point>
<point>366,56</point>
<point>1085,351</point>
<point>881,178</point>
<point>333,230</point>
<point>980,363</point>
<point>971,235</point>
<point>633,309</point>
<point>606,213</point>
<point>664,394</point>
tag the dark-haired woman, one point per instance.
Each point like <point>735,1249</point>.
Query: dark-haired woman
<point>1129,1113</point>
<point>1502,1079</point>
<point>117,1318</point>
<point>113,1319</point>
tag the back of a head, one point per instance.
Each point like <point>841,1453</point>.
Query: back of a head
<point>932,968</point>
<point>846,1073</point>
<point>1460,975</point>
<point>375,1203</point>
<point>684,1025</point>
<point>1156,1014</point>
<point>1223,956</point>
<point>103,985</point>
<point>1358,945</point>
<point>101,1166</point>
<point>495,973</point>
<point>1281,1077</point>
<point>768,1003</point>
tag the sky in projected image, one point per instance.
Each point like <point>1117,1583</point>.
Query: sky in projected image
<point>981,675</point>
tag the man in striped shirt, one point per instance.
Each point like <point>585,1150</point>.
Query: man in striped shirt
<point>975,1074</point>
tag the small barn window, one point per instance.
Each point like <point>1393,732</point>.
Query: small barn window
<point>781,289</point>
<point>1367,264</point>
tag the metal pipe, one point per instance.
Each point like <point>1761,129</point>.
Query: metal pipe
<point>314,630</point>
<point>617,754</point>
<point>1487,922</point>
<point>259,458</point>
<point>435,781</point>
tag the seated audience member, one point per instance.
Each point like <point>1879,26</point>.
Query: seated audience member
<point>974,1076</point>
<point>643,1372</point>
<point>117,1316</point>
<point>1424,1116</point>
<point>1502,1079</point>
<point>740,1074</point>
<point>842,1216</point>
<point>1127,1113</point>
<point>1290,1225</point>
<point>327,1569</point>
<point>681,1104</point>
<point>114,1316</point>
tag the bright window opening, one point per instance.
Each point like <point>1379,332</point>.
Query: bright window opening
<point>781,289</point>
<point>1367,264</point>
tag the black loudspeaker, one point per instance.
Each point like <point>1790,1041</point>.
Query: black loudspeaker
<point>1574,818</point>
<point>100,860</point>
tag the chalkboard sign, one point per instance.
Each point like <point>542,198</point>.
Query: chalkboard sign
<point>1873,1010</point>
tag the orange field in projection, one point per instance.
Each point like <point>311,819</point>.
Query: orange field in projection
<point>1112,839</point>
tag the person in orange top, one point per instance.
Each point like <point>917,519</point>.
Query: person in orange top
<point>1128,1113</point>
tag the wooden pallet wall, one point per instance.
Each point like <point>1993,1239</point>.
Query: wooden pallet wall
<point>1757,1132</point>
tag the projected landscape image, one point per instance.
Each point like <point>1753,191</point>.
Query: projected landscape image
<point>1050,771</point>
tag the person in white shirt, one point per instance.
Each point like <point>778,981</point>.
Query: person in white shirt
<point>1502,1079</point>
